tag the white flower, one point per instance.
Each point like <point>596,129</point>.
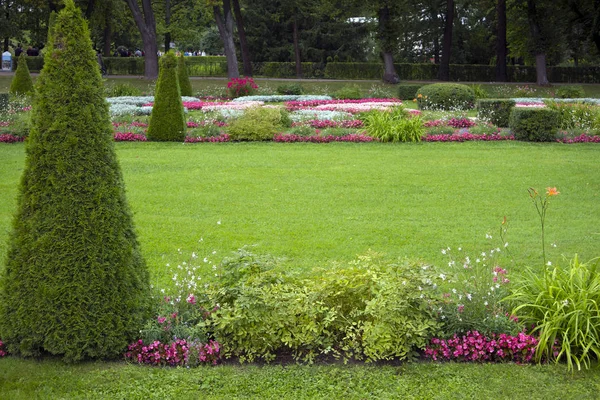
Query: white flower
<point>205,259</point>
<point>485,303</point>
<point>201,240</point>
<point>478,260</point>
<point>488,236</point>
<point>404,283</point>
<point>454,291</point>
<point>451,263</point>
<point>443,251</point>
<point>421,296</point>
<point>443,277</point>
<point>219,222</point>
<point>469,296</point>
<point>498,249</point>
<point>553,245</point>
<point>214,252</point>
<point>214,267</point>
<point>168,265</point>
<point>497,286</point>
<point>194,255</point>
<point>162,291</point>
<point>460,248</point>
<point>565,302</point>
<point>420,288</point>
<point>549,263</point>
<point>506,244</point>
<point>483,254</point>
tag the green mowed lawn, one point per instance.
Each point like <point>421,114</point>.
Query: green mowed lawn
<point>315,203</point>
<point>312,204</point>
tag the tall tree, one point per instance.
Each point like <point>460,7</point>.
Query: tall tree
<point>224,20</point>
<point>501,50</point>
<point>239,20</point>
<point>387,40</point>
<point>444,70</point>
<point>144,19</point>
<point>539,43</point>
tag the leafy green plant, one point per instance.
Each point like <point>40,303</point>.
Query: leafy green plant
<point>576,116</point>
<point>534,124</point>
<point>496,111</point>
<point>122,89</point>
<point>185,86</point>
<point>562,305</point>
<point>445,96</point>
<point>408,92</point>
<point>484,129</point>
<point>258,123</point>
<point>541,206</point>
<point>22,84</point>
<point>291,88</point>
<point>393,126</point>
<point>479,91</point>
<point>348,92</point>
<point>167,121</point>
<point>208,130</point>
<point>75,283</point>
<point>570,92</point>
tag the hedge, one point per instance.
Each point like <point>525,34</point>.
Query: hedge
<point>534,124</point>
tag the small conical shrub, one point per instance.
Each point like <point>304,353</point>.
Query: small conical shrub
<point>167,121</point>
<point>21,83</point>
<point>75,284</point>
<point>185,85</point>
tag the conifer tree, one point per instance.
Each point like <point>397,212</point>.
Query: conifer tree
<point>75,284</point>
<point>185,85</point>
<point>167,121</point>
<point>21,83</point>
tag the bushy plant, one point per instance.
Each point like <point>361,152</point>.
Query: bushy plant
<point>496,111</point>
<point>348,92</point>
<point>479,91</point>
<point>408,92</point>
<point>75,284</point>
<point>185,86</point>
<point>167,121</point>
<point>445,96</point>
<point>576,116</point>
<point>393,126</point>
<point>485,129</point>
<point>4,100</point>
<point>122,89</point>
<point>534,124</point>
<point>562,306</point>
<point>380,92</point>
<point>439,130</point>
<point>21,84</point>
<point>206,131</point>
<point>290,89</point>
<point>238,87</point>
<point>570,92</point>
<point>258,124</point>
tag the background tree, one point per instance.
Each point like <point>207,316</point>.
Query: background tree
<point>224,20</point>
<point>75,284</point>
<point>444,70</point>
<point>185,86</point>
<point>146,23</point>
<point>21,83</point>
<point>501,49</point>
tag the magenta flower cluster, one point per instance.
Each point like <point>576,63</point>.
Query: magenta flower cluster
<point>464,137</point>
<point>3,351</point>
<point>213,139</point>
<point>8,138</point>
<point>129,137</point>
<point>581,139</point>
<point>322,124</point>
<point>191,124</point>
<point>237,87</point>
<point>476,347</point>
<point>356,138</point>
<point>453,122</point>
<point>134,124</point>
<point>173,354</point>
<point>299,105</point>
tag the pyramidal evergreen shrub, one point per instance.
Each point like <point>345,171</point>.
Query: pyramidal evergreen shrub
<point>167,121</point>
<point>21,83</point>
<point>185,85</point>
<point>75,284</point>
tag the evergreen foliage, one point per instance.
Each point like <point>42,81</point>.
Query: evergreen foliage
<point>446,96</point>
<point>496,111</point>
<point>167,121</point>
<point>21,83</point>
<point>534,124</point>
<point>75,284</point>
<point>182,76</point>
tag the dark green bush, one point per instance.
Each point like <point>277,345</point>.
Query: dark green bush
<point>445,96</point>
<point>496,111</point>
<point>75,284</point>
<point>4,99</point>
<point>258,124</point>
<point>34,64</point>
<point>167,121</point>
<point>408,92</point>
<point>122,89</point>
<point>124,65</point>
<point>291,88</point>
<point>368,309</point>
<point>534,124</point>
<point>185,85</point>
<point>348,92</point>
<point>21,84</point>
<point>570,92</point>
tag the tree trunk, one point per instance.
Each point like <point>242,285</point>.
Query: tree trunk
<point>167,22</point>
<point>596,25</point>
<point>246,61</point>
<point>225,26</point>
<point>436,50</point>
<point>297,49</point>
<point>107,37</point>
<point>89,9</point>
<point>6,43</point>
<point>538,43</point>
<point>147,26</point>
<point>444,70</point>
<point>389,72</point>
<point>501,71</point>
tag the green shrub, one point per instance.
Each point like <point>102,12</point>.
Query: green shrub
<point>570,92</point>
<point>183,78</point>
<point>122,89</point>
<point>484,129</point>
<point>381,91</point>
<point>534,124</point>
<point>21,82</point>
<point>348,92</point>
<point>301,130</point>
<point>290,89</point>
<point>258,124</point>
<point>393,126</point>
<point>408,92</point>
<point>167,121</point>
<point>445,96</point>
<point>479,91</point>
<point>439,130</point>
<point>4,100</point>
<point>75,284</point>
<point>208,130</point>
<point>369,309</point>
<point>576,116</point>
<point>563,306</point>
<point>496,111</point>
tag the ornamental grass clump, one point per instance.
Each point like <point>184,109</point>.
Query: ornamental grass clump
<point>75,283</point>
<point>21,84</point>
<point>393,126</point>
<point>167,121</point>
<point>183,78</point>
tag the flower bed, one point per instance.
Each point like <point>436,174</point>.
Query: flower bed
<point>129,137</point>
<point>212,139</point>
<point>580,139</point>
<point>176,353</point>
<point>282,98</point>
<point>464,137</point>
<point>304,104</point>
<point>356,138</point>
<point>8,138</point>
<point>322,124</point>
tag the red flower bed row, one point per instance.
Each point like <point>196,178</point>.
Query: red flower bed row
<point>322,139</point>
<point>464,137</point>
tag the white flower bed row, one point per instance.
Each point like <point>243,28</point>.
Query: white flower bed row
<point>141,100</point>
<point>539,100</point>
<point>306,115</point>
<point>281,98</point>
